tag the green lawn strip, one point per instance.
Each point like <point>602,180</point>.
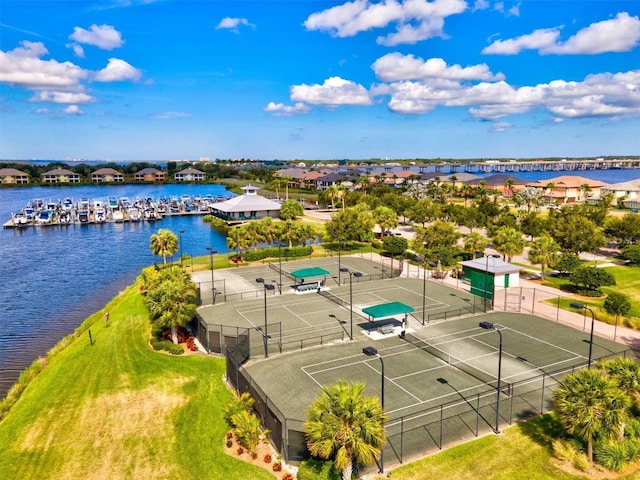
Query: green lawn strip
<point>519,452</point>
<point>119,410</point>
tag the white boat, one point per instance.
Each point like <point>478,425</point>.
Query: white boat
<point>113,202</point>
<point>118,216</point>
<point>20,219</point>
<point>83,215</point>
<point>134,214</point>
<point>100,213</point>
<point>44,217</point>
<point>67,204</point>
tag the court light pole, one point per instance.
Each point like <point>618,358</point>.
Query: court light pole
<point>486,278</point>
<point>351,275</point>
<point>280,267</point>
<point>265,334</point>
<point>212,252</point>
<point>340,240</point>
<point>491,326</point>
<point>181,232</point>
<point>423,262</point>
<point>581,306</point>
<point>373,352</point>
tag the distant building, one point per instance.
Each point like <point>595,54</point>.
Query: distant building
<point>11,175</point>
<point>246,207</point>
<point>107,175</point>
<point>625,193</point>
<point>60,175</point>
<point>149,174</point>
<point>568,188</point>
<point>189,174</point>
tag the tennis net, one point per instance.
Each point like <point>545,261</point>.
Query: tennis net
<point>274,266</point>
<point>333,298</point>
<point>461,365</point>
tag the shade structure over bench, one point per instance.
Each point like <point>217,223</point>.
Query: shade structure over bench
<point>309,272</point>
<point>388,309</point>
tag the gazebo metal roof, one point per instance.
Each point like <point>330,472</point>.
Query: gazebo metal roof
<point>387,309</point>
<point>309,272</point>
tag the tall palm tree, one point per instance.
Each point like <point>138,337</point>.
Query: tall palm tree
<point>164,244</point>
<point>626,373</point>
<point>236,240</point>
<point>544,251</point>
<point>585,188</point>
<point>508,242</point>
<point>363,183</point>
<point>475,242</point>
<point>345,426</point>
<point>589,405</point>
<point>268,230</point>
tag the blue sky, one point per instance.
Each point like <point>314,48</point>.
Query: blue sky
<point>172,80</point>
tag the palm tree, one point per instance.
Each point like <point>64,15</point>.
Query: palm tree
<point>363,183</point>
<point>172,303</point>
<point>345,426</point>
<point>164,243</point>
<point>508,242</point>
<point>237,241</point>
<point>585,188</point>
<point>291,209</point>
<point>589,404</point>
<point>475,242</point>
<point>509,184</point>
<point>544,251</point>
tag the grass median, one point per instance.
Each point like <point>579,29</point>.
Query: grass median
<point>116,409</point>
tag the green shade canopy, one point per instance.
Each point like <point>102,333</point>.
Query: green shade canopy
<point>387,309</point>
<point>309,272</point>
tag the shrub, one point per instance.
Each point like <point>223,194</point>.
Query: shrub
<point>315,469</point>
<point>240,451</point>
<point>581,462</point>
<point>267,458</point>
<point>611,455</point>
<point>272,252</point>
<point>277,467</point>
<point>229,443</point>
<point>633,449</point>
<point>288,476</point>
<point>563,450</point>
<point>254,455</point>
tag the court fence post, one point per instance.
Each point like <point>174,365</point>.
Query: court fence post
<point>401,437</point>
<point>441,422</point>
<point>511,403</point>
<point>544,376</point>
<point>477,414</point>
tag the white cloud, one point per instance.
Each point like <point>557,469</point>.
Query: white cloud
<point>334,91</point>
<point>23,67</point>
<point>102,36</point>
<point>116,71</point>
<point>73,110</point>
<point>282,110</point>
<point>415,19</point>
<point>169,115</point>
<point>500,126</point>
<point>62,97</point>
<point>232,24</point>
<point>77,49</point>
<point>620,34</point>
<point>395,66</point>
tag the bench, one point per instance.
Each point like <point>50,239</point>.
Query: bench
<point>386,329</point>
<point>305,287</point>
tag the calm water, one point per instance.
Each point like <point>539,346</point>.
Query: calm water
<point>54,277</point>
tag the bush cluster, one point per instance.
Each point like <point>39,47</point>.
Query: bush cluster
<point>315,469</point>
<point>167,346</point>
<point>272,252</point>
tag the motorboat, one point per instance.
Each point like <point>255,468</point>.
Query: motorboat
<point>134,214</point>
<point>67,204</point>
<point>83,215</point>
<point>100,213</point>
<point>44,217</point>
<point>20,219</point>
<point>113,202</point>
<point>118,216</point>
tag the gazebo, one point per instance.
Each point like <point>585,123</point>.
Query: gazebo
<point>388,310</point>
<point>305,273</point>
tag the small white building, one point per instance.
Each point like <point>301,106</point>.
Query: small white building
<point>485,274</point>
<point>248,206</point>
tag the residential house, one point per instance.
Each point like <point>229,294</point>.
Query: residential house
<point>60,175</point>
<point>11,175</point>
<point>624,193</point>
<point>149,175</point>
<point>190,174</point>
<point>568,189</point>
<point>107,175</point>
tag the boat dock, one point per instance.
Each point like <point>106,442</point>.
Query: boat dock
<point>85,212</point>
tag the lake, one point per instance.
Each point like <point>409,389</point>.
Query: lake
<point>54,277</point>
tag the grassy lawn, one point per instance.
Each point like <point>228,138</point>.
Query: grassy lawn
<point>119,410</point>
<point>519,452</point>
<point>627,283</point>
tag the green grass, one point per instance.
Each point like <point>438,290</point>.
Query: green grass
<point>117,409</point>
<point>519,452</point>
<point>627,283</point>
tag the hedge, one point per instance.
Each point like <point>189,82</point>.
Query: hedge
<point>272,252</point>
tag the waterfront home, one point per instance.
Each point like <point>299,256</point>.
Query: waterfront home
<point>149,174</point>
<point>189,174</point>
<point>11,175</point>
<point>507,185</point>
<point>568,189</point>
<point>624,193</point>
<point>106,175</point>
<point>248,206</point>
<point>60,175</point>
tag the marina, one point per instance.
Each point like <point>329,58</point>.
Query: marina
<point>38,213</point>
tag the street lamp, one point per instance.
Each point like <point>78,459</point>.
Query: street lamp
<point>351,275</point>
<point>212,252</point>
<point>280,267</point>
<point>265,335</point>
<point>581,306</point>
<point>373,352</point>
<point>490,326</point>
<point>341,240</point>
<point>181,232</point>
<point>486,279</point>
<point>422,260</point>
